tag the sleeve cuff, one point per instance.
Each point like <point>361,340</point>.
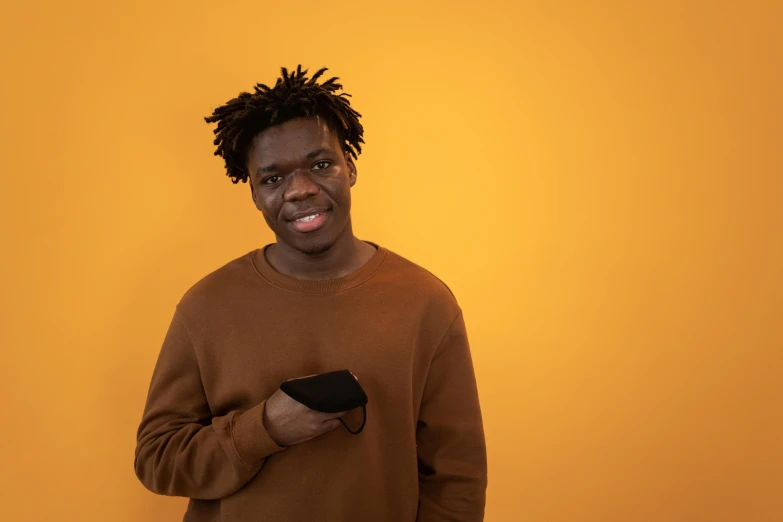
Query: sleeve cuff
<point>251,440</point>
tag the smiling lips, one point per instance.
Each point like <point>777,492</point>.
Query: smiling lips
<point>309,223</point>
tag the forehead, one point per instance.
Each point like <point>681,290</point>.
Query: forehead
<point>290,141</point>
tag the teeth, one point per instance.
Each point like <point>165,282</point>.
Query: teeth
<point>308,218</point>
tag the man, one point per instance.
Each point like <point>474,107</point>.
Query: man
<point>217,428</point>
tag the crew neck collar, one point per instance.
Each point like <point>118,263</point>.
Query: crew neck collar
<point>320,287</point>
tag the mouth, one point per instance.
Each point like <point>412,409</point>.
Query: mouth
<point>309,223</point>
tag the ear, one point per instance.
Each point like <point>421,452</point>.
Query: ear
<point>351,168</point>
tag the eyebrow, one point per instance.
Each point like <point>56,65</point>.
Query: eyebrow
<point>316,152</point>
<point>273,167</point>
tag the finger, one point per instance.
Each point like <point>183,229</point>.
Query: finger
<point>328,416</point>
<point>330,425</point>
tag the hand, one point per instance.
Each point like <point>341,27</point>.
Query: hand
<point>290,422</point>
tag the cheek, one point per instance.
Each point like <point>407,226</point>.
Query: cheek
<point>266,206</point>
<point>269,212</point>
<point>269,222</point>
<point>269,216</point>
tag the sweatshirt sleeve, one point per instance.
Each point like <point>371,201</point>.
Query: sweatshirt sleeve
<point>181,449</point>
<point>450,436</point>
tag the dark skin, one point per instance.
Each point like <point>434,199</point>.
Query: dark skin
<point>299,166</point>
<point>284,180</point>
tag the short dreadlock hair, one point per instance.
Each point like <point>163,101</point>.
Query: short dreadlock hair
<point>293,96</point>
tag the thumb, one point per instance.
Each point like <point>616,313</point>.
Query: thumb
<point>335,416</point>
<point>331,425</point>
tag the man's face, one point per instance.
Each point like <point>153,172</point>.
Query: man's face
<point>298,169</point>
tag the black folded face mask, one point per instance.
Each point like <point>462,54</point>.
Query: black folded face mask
<point>331,392</point>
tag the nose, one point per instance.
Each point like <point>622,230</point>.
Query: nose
<point>300,186</point>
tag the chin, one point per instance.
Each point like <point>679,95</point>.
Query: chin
<point>315,248</point>
<point>312,246</point>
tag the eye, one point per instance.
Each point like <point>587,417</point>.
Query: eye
<point>269,180</point>
<point>324,163</point>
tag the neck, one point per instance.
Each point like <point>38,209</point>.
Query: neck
<point>346,255</point>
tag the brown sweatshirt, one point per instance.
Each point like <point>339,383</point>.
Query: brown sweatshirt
<point>242,330</point>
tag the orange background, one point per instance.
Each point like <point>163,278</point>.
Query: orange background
<point>598,182</point>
